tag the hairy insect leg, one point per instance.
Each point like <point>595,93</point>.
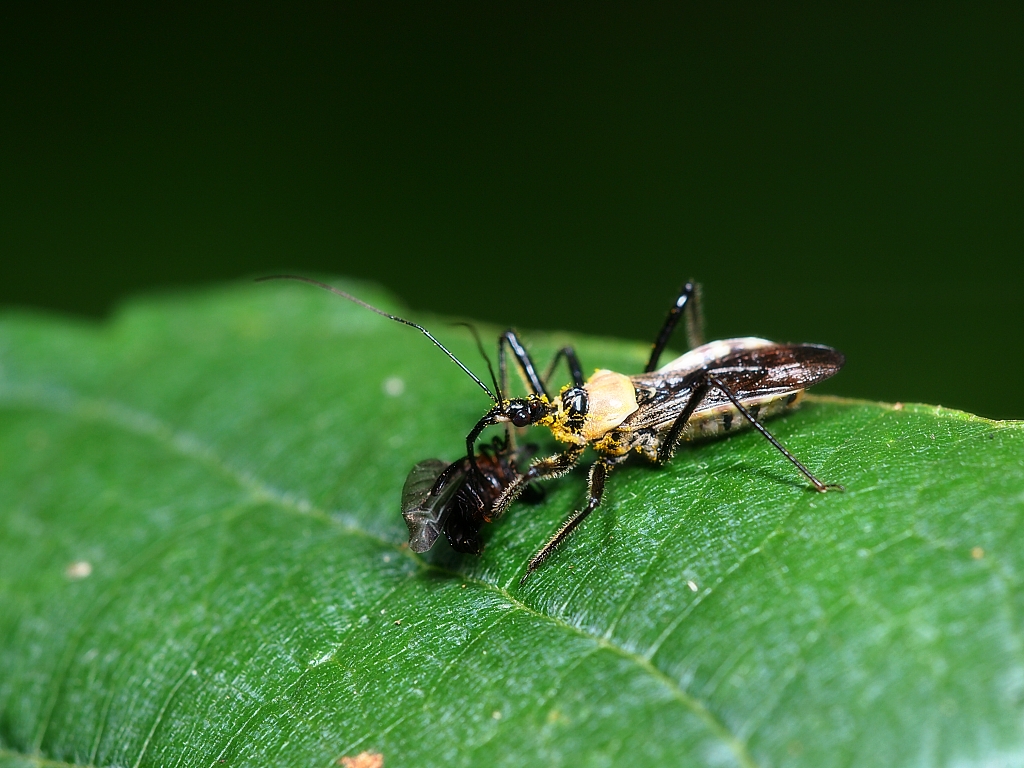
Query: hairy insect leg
<point>598,472</point>
<point>818,485</point>
<point>689,302</point>
<point>571,360</point>
<point>544,469</point>
<point>525,364</point>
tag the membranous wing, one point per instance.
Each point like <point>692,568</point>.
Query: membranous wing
<point>424,507</point>
<point>762,375</point>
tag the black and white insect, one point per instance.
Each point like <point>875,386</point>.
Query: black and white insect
<point>714,389</point>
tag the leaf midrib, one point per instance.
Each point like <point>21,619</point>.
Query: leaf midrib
<point>60,400</point>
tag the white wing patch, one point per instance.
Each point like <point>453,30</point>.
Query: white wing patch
<point>697,358</point>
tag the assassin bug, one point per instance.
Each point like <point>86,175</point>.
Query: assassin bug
<point>699,394</point>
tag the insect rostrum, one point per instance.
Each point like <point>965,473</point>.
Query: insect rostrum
<point>714,389</point>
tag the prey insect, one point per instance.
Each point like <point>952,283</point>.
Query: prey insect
<point>456,499</point>
<point>714,389</point>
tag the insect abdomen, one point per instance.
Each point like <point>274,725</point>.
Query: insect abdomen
<point>725,419</point>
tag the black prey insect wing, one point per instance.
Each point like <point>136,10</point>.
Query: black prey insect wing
<point>425,512</point>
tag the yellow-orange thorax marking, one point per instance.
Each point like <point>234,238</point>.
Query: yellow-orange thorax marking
<point>611,397</point>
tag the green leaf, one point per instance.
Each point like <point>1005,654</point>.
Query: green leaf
<point>202,564</point>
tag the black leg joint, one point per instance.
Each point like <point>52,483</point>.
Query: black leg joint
<point>686,301</point>
<point>511,339</point>
<point>573,362</point>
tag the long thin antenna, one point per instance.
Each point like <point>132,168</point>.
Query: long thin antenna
<point>396,318</point>
<point>484,355</point>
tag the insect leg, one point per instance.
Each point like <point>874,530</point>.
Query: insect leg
<point>502,387</point>
<point>818,485</point>
<point>575,369</point>
<point>688,301</point>
<point>544,469</point>
<point>668,443</point>
<point>490,418</point>
<point>598,472</point>
<point>526,367</point>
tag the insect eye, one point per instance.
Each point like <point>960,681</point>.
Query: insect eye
<point>575,402</point>
<point>519,414</point>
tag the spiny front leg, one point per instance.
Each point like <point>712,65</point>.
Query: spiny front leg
<point>598,472</point>
<point>543,469</point>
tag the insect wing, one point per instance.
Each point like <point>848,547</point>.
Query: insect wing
<point>712,352</point>
<point>424,510</point>
<point>774,371</point>
<point>754,371</point>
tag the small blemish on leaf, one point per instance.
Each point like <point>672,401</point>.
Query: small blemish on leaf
<point>78,570</point>
<point>496,714</point>
<point>393,386</point>
<point>977,553</point>
<point>322,660</point>
<point>363,760</point>
<point>897,406</point>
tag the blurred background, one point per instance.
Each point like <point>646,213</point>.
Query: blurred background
<point>850,175</point>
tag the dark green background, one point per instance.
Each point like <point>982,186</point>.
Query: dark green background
<point>850,176</point>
